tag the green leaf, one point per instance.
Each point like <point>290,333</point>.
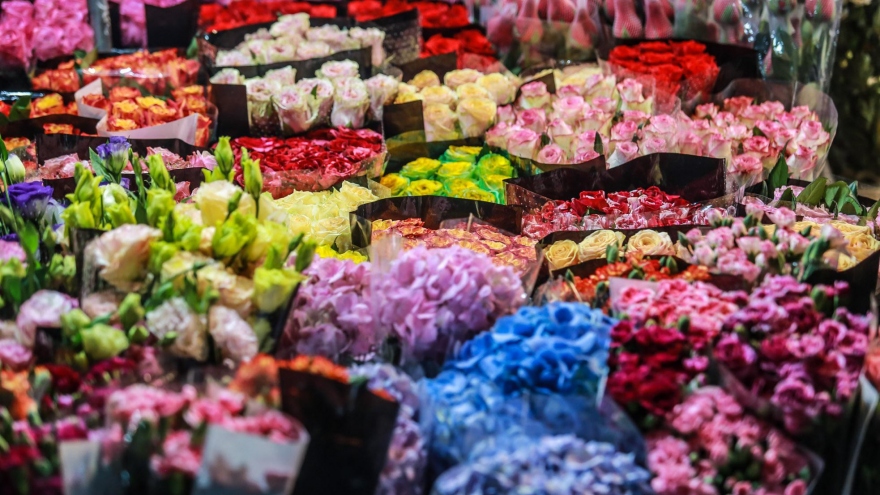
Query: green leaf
<point>854,187</point>
<point>192,51</point>
<point>779,175</point>
<point>598,147</point>
<point>98,164</point>
<point>814,193</point>
<point>21,109</point>
<point>833,192</point>
<point>787,196</point>
<point>872,213</point>
<point>4,153</point>
<point>30,238</point>
<point>3,120</point>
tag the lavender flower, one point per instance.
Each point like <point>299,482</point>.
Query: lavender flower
<point>28,198</point>
<point>331,314</point>
<point>554,465</point>
<point>430,299</point>
<point>115,155</point>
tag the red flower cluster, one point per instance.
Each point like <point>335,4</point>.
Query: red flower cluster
<point>216,17</point>
<point>675,66</point>
<point>431,14</point>
<point>640,208</point>
<point>651,365</point>
<point>473,49</point>
<point>314,161</point>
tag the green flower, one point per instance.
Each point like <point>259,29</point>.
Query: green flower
<point>424,187</point>
<point>421,168</point>
<point>80,216</point>
<point>186,232</point>
<point>493,164</point>
<point>273,287</point>
<point>159,176</point>
<point>233,235</point>
<point>160,203</point>
<point>477,194</point>
<point>62,270</point>
<point>73,321</point>
<point>268,234</point>
<point>15,171</point>
<point>253,177</point>
<point>225,161</point>
<point>131,312</point>
<point>119,214</point>
<point>160,252</point>
<point>461,154</point>
<point>102,341</point>
<point>455,170</point>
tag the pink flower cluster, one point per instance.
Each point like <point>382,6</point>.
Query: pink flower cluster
<point>179,454</point>
<point>45,29</point>
<point>332,313</point>
<point>712,446</point>
<point>785,350</point>
<point>431,299</point>
<point>747,250</point>
<point>750,136</point>
<point>705,306</point>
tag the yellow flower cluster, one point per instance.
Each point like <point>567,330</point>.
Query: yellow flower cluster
<point>323,216</point>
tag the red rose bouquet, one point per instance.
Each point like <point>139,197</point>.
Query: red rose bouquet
<point>218,17</point>
<point>472,48</point>
<point>314,161</point>
<point>594,210</point>
<point>677,68</point>
<point>431,14</point>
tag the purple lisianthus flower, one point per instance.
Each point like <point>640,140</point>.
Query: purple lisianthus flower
<point>115,154</point>
<point>28,198</point>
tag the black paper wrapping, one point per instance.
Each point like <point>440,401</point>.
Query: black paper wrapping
<point>12,95</point>
<point>734,61</point>
<point>54,145</point>
<point>694,178</point>
<point>862,280</point>
<point>433,210</point>
<point>402,35</point>
<point>440,64</point>
<point>30,128</point>
<point>67,185</point>
<point>350,429</point>
<point>14,79</point>
<point>166,27</point>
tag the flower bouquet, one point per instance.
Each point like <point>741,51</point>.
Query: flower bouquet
<point>676,68</point>
<point>43,30</point>
<point>316,160</point>
<point>323,216</point>
<point>218,17</point>
<point>711,445</point>
<point>431,14</point>
<point>460,172</point>
<point>291,39</point>
<point>158,72</point>
<point>515,251</point>
<point>464,106</point>
<point>187,116</point>
<point>564,249</point>
<point>277,105</point>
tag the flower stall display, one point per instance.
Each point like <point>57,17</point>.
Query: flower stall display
<point>460,172</point>
<point>515,251</point>
<point>639,208</point>
<point>125,110</point>
<point>675,68</point>
<point>335,97</point>
<point>292,38</point>
<point>714,446</point>
<point>314,161</point>
<point>463,106</point>
<point>158,72</point>
<point>219,17</point>
<point>43,30</point>
<point>322,217</point>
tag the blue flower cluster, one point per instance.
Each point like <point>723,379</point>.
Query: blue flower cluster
<point>559,348</point>
<point>553,465</point>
